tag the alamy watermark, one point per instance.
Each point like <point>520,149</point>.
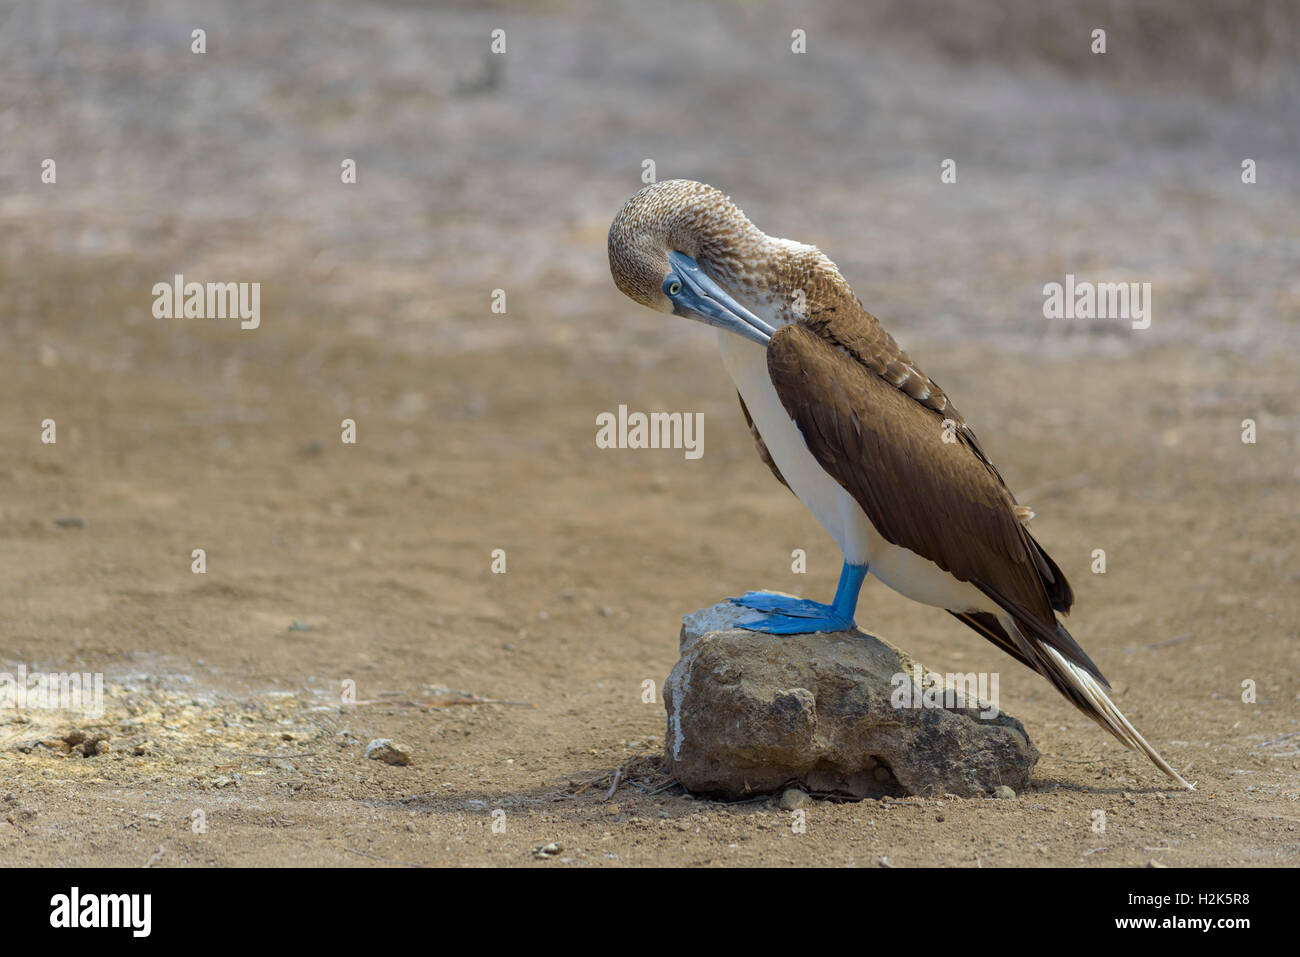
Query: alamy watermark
<point>79,691</point>
<point>130,911</point>
<point>1098,300</point>
<point>651,430</point>
<point>933,690</point>
<point>214,300</point>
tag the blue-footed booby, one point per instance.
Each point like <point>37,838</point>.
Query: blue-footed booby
<point>867,441</point>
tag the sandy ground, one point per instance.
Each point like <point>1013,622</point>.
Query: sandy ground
<point>371,563</point>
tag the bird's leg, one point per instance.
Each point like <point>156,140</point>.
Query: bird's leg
<point>799,616</point>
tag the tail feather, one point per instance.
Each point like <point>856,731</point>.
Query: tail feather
<point>1085,690</point>
<point>1090,698</point>
<point>1036,629</point>
<point>1085,687</point>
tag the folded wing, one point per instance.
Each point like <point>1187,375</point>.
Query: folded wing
<point>919,474</point>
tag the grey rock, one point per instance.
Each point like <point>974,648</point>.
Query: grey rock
<point>382,749</point>
<point>793,799</point>
<point>750,713</point>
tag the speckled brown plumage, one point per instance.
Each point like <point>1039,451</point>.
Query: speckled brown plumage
<point>703,223</point>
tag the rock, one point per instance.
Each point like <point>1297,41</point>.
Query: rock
<point>382,749</point>
<point>793,798</point>
<point>750,713</point>
<point>1004,793</point>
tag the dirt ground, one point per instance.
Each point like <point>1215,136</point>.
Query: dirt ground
<point>226,738</point>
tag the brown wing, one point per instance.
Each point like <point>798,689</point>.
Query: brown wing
<point>940,499</point>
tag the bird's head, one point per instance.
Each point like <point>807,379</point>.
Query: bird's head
<point>676,244</point>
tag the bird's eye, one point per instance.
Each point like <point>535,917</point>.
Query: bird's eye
<point>672,286</point>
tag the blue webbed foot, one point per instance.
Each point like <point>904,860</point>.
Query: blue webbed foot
<point>781,604</point>
<point>773,623</point>
<point>782,615</point>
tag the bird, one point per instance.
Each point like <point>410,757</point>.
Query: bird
<point>868,442</point>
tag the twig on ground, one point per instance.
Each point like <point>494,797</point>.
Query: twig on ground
<point>382,860</point>
<point>1157,644</point>
<point>618,776</point>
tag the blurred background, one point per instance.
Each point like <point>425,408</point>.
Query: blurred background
<point>481,171</point>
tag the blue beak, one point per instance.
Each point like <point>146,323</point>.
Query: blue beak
<point>698,297</point>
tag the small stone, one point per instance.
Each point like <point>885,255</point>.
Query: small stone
<point>548,850</point>
<point>793,798</point>
<point>70,521</point>
<point>382,749</point>
<point>1003,793</point>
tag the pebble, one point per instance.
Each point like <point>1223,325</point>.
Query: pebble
<point>383,749</point>
<point>793,798</point>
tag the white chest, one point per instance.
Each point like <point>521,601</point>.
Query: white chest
<point>831,505</point>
